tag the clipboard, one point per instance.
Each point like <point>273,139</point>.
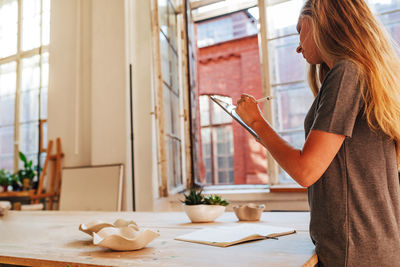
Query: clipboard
<point>231,110</point>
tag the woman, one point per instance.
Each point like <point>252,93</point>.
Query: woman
<point>351,156</point>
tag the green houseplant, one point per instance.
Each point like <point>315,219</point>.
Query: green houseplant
<point>26,174</point>
<point>5,179</point>
<point>203,209</point>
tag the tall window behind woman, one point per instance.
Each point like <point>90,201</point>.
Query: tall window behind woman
<point>24,68</point>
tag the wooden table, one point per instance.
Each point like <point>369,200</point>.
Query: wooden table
<point>52,238</point>
<point>9,194</point>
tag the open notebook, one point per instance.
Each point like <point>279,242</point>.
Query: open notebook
<point>231,235</point>
<point>231,110</point>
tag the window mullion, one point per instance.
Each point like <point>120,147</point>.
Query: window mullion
<point>40,87</point>
<point>212,148</point>
<point>18,89</point>
<point>266,86</point>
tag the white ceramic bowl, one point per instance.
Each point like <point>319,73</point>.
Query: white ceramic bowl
<point>124,238</point>
<point>203,213</point>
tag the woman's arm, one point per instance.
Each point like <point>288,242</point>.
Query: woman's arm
<point>305,166</point>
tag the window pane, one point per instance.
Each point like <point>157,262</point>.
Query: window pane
<point>291,105</point>
<point>46,22</point>
<point>172,26</point>
<point>174,71</point>
<point>163,15</point>
<point>282,18</point>
<point>206,154</point>
<point>177,162</point>
<point>7,141</point>
<point>223,153</point>
<point>379,6</point>
<point>204,104</point>
<point>30,73</point>
<point>217,31</point>
<point>30,24</point>
<point>297,140</point>
<point>29,138</point>
<point>45,83</point>
<point>43,103</point>
<point>219,115</point>
<point>167,109</point>
<point>29,106</point>
<point>44,137</point>
<point>174,162</point>
<point>8,27</point>
<point>392,25</point>
<point>165,62</point>
<point>7,104</point>
<point>30,83</point>
<point>286,65</point>
<point>45,69</point>
<point>7,93</point>
<point>8,79</point>
<point>7,163</point>
<point>175,118</point>
<point>226,28</point>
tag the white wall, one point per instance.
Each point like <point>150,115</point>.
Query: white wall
<point>89,88</point>
<point>145,153</point>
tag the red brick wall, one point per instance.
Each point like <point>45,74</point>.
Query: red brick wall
<point>230,69</point>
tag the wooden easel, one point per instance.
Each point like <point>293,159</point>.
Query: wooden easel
<point>55,176</point>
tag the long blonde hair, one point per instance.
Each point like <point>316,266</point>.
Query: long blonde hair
<point>347,29</point>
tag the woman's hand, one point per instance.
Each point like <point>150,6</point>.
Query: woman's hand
<point>248,110</point>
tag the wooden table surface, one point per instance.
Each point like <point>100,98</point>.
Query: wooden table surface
<point>52,238</point>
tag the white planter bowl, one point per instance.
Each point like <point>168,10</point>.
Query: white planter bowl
<point>203,213</point>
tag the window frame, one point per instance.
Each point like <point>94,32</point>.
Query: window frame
<point>164,188</point>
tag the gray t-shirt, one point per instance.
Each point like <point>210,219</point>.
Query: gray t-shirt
<point>355,205</point>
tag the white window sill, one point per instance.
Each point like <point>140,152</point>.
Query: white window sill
<point>282,198</point>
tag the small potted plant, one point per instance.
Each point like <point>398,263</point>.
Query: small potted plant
<point>203,209</point>
<point>5,179</point>
<point>26,174</point>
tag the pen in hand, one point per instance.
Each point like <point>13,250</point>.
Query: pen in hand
<point>264,99</point>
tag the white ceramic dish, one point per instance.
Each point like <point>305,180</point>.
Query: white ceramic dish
<point>97,225</point>
<point>248,212</point>
<point>123,238</point>
<point>203,213</point>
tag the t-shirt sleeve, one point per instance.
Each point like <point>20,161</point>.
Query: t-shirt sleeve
<point>340,100</point>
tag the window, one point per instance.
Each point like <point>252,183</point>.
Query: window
<point>217,142</point>
<point>293,96</point>
<point>223,69</point>
<point>169,99</point>
<point>288,69</point>
<point>24,65</point>
<point>226,28</point>
<point>228,65</point>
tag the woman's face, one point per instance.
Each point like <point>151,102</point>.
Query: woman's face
<point>307,44</point>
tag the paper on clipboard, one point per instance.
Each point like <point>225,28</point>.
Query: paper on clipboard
<point>231,110</point>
